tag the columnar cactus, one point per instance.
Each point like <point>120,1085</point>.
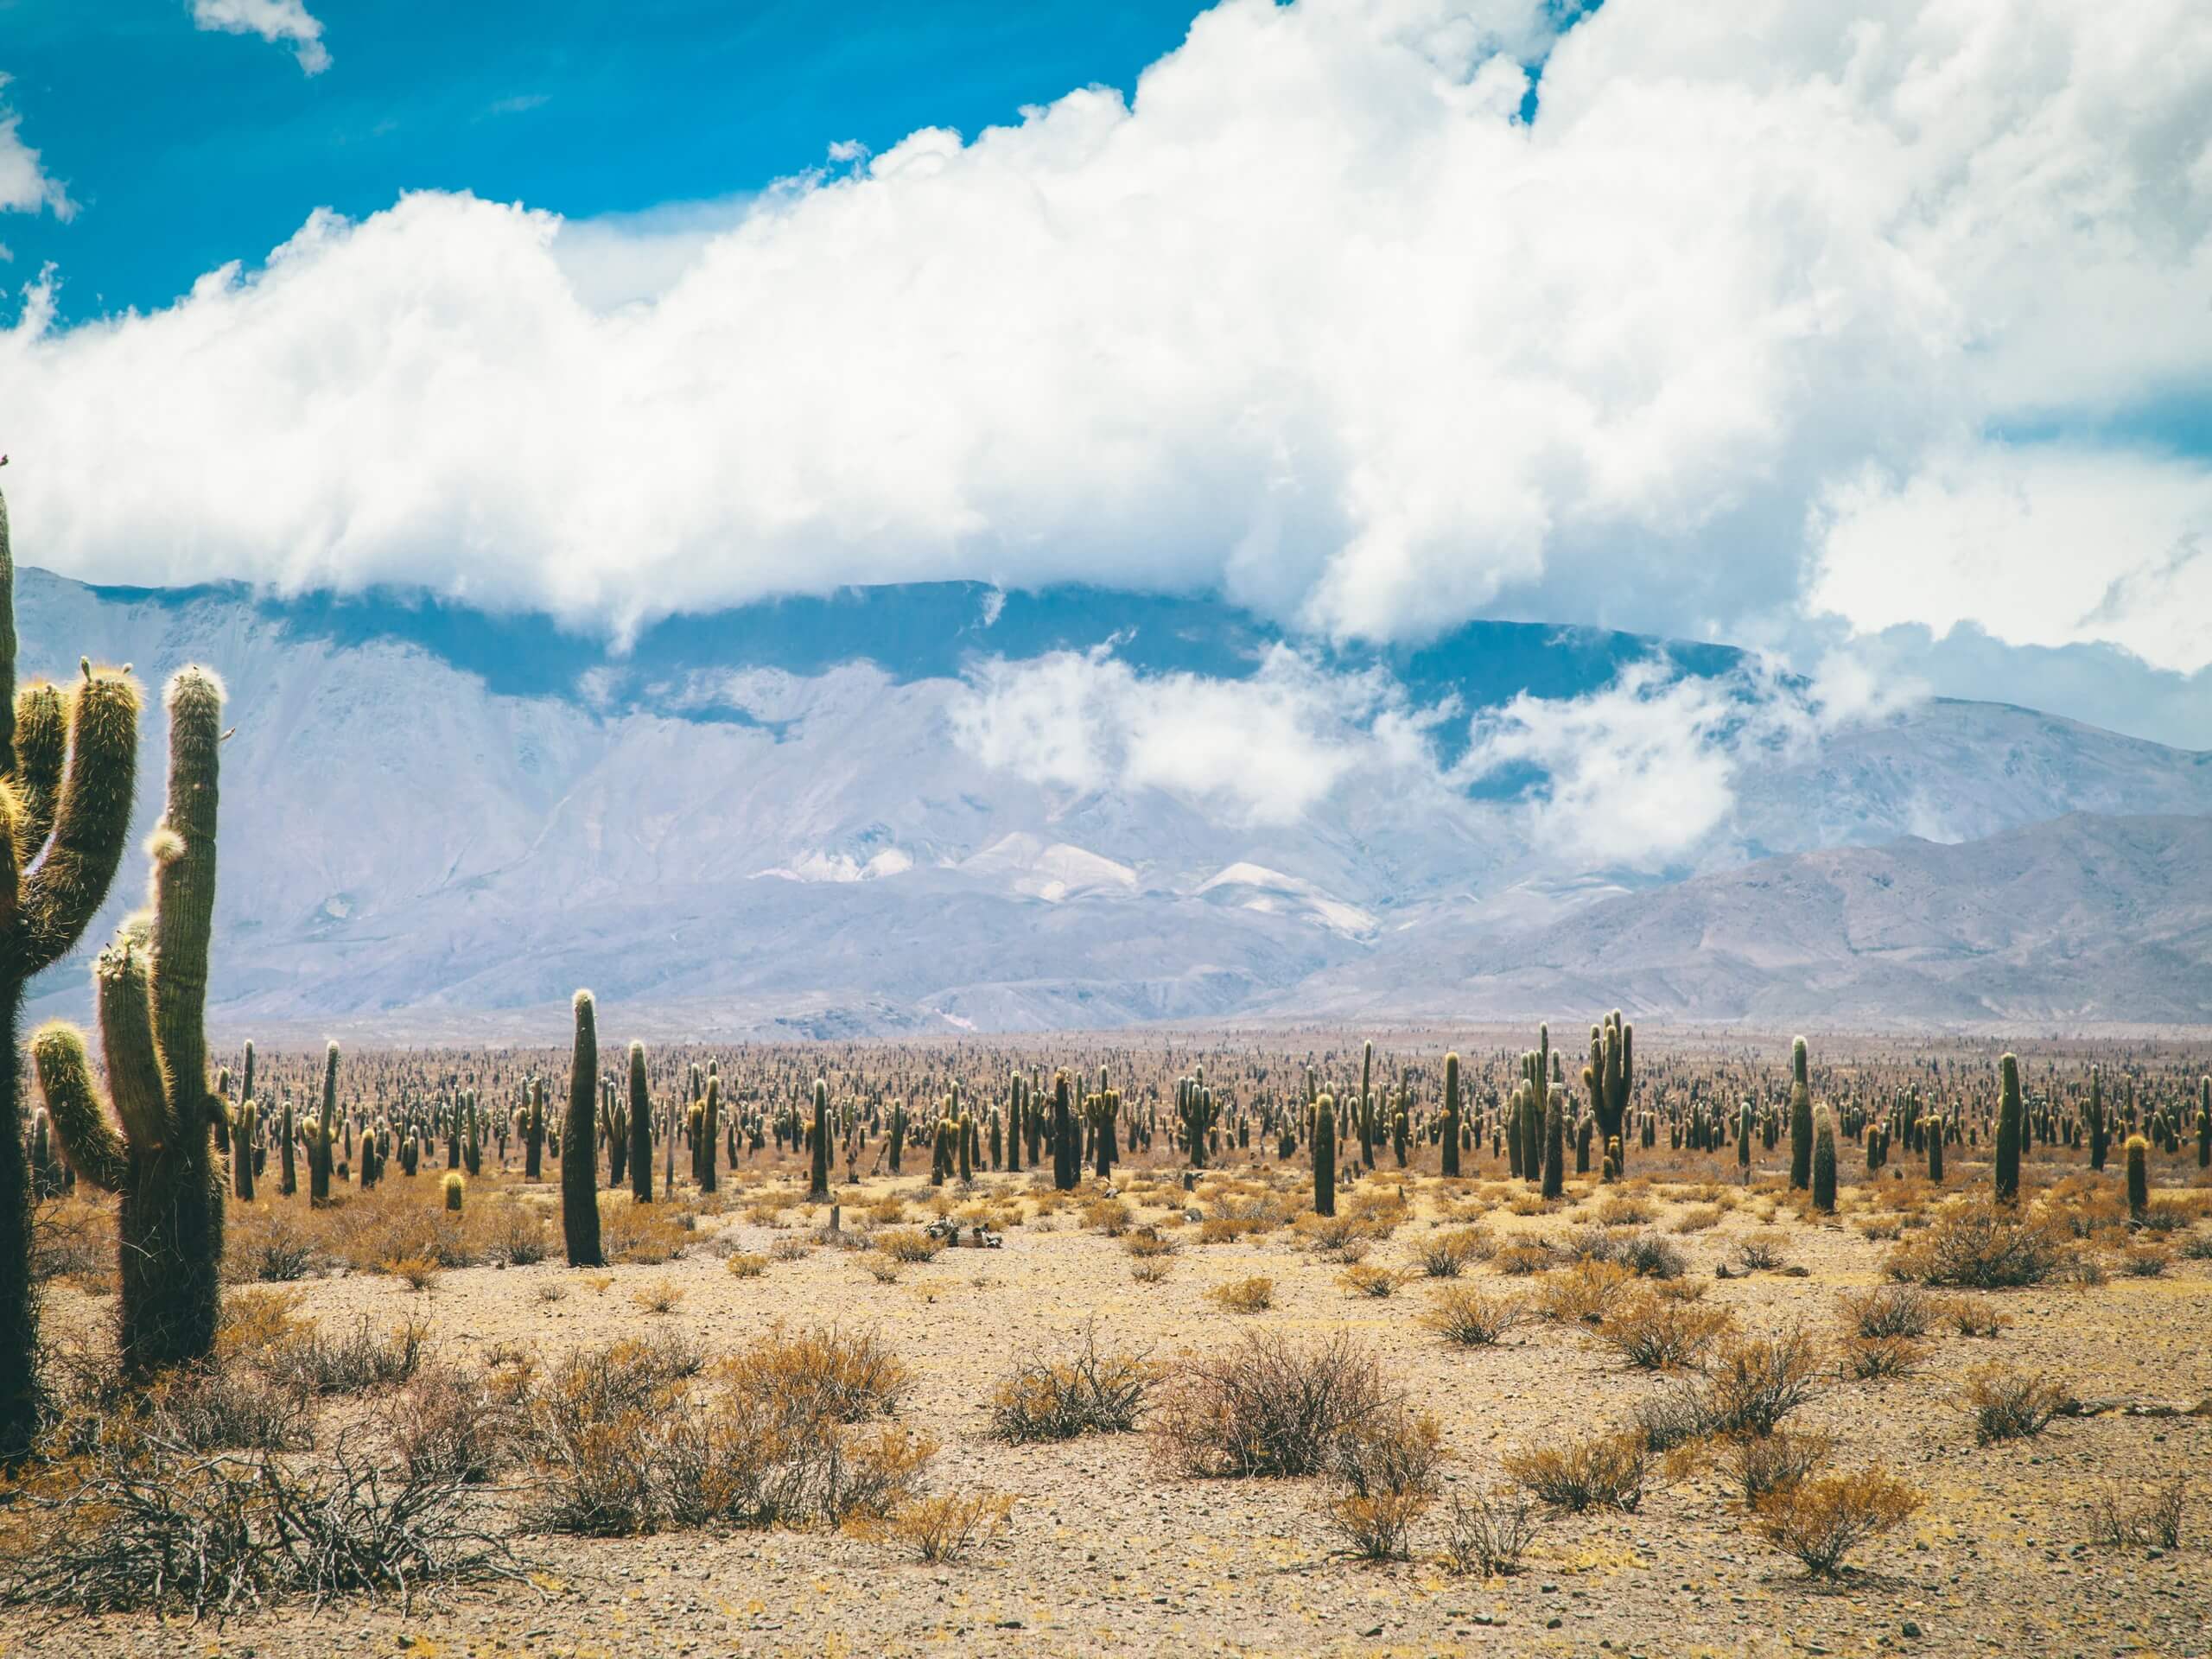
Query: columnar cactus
<point>2099,1126</point>
<point>156,1149</point>
<point>1801,1119</point>
<point>1744,1131</point>
<point>1824,1164</point>
<point>2138,1179</point>
<point>579,1144</point>
<point>2204,1124</point>
<point>1555,1143</point>
<point>817,1180</point>
<point>1449,1132</point>
<point>1610,1078</point>
<point>641,1129</point>
<point>68,758</point>
<point>533,1134</point>
<point>2009,1126</point>
<point>1324,1156</point>
<point>1067,1157</point>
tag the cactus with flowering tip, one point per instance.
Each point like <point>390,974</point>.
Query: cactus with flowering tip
<point>153,1143</point>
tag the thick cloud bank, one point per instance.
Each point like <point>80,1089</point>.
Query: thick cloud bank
<point>1740,329</point>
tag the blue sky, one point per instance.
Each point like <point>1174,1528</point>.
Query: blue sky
<point>186,149</point>
<point>1870,332</point>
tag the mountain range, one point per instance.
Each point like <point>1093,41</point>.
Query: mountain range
<point>941,808</point>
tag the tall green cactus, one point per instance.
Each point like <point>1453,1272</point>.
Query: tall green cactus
<point>2010,1122</point>
<point>817,1177</point>
<point>1801,1118</point>
<point>2138,1179</point>
<point>1324,1156</point>
<point>1610,1078</point>
<point>157,1150</point>
<point>1067,1157</point>
<point>1449,1132</point>
<point>69,760</point>
<point>1555,1143</point>
<point>2099,1126</point>
<point>580,1144</point>
<point>1824,1163</point>
<point>641,1129</point>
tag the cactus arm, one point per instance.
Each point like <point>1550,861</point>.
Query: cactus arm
<point>79,1116</point>
<point>91,820</point>
<point>133,1072</point>
<point>41,747</point>
<point>183,851</point>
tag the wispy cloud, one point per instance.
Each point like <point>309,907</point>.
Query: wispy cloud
<point>25,186</point>
<point>283,22</point>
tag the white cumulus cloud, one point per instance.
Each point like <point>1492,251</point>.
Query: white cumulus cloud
<point>1266,750</point>
<point>1313,316</point>
<point>284,22</point>
<point>1642,772</point>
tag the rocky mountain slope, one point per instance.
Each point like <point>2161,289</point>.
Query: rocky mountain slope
<point>892,811</point>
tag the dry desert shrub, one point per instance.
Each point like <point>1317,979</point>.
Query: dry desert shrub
<point>1080,1392</point>
<point>945,1527</point>
<point>1583,1293</point>
<point>1981,1245</point>
<point>1523,1257</point>
<point>2121,1515</point>
<point>1752,1383</point>
<point>1598,1472</point>
<point>1363,1279</point>
<point>1254,1295</point>
<point>1891,1311</point>
<point>1819,1520</point>
<point>125,1516</point>
<point>1445,1255</point>
<point>2010,1405</point>
<point>1384,1475</point>
<point>1465,1315</point>
<point>1764,1251</point>
<point>636,1436</point>
<point>1267,1406</point>
<point>1756,1464</point>
<point>1658,1334</point>
<point>1488,1531</point>
<point>1876,1359</point>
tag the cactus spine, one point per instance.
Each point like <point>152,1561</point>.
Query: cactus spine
<point>2008,1125</point>
<point>580,1144</point>
<point>150,991</point>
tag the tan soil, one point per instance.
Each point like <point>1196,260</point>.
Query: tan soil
<point>1107,1556</point>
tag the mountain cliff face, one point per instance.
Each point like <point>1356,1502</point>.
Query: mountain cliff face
<point>888,811</point>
